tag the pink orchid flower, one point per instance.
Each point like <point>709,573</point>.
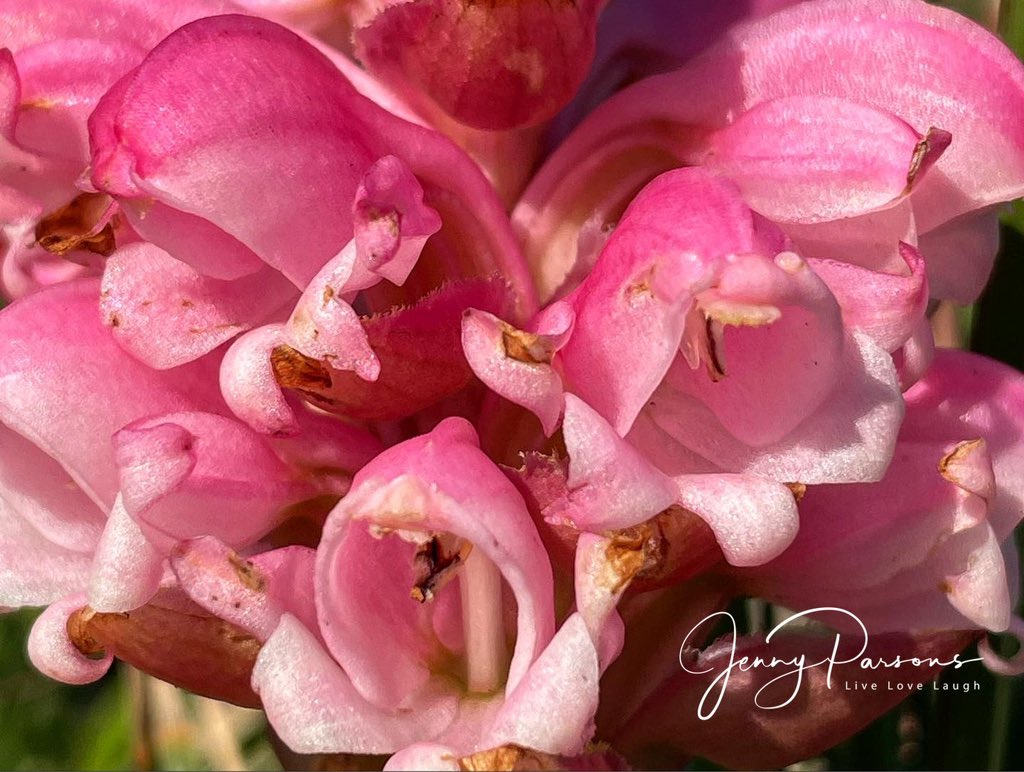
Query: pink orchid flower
<point>53,70</point>
<point>107,464</point>
<point>711,345</point>
<point>347,194</point>
<point>930,545</point>
<point>431,540</point>
<point>827,115</point>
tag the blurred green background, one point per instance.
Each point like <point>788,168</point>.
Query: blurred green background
<point>128,721</point>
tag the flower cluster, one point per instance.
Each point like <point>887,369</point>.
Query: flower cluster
<point>430,403</point>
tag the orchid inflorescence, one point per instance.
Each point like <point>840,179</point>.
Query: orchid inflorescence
<point>430,403</point>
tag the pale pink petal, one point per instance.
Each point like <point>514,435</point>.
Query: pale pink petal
<point>313,707</point>
<point>52,652</point>
<point>850,437</point>
<point>611,485</point>
<point>38,491</point>
<point>763,320</point>
<point>516,363</point>
<point>314,151</point>
<point>915,356</point>
<point>249,386</point>
<point>33,570</point>
<point>814,159</point>
<point>552,709</point>
<point>67,386</point>
<point>887,307</point>
<point>165,313</point>
<point>252,593</point>
<point>325,327</point>
<point>126,569</point>
<point>191,474</point>
<point>754,519</point>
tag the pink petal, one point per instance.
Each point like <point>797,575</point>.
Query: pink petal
<point>33,570</point>
<point>249,385</point>
<point>66,385</point>
<point>610,484</point>
<point>189,474</point>
<point>631,311</point>
<point>312,706</point>
<point>764,319</point>
<point>315,152</point>
<point>754,519</point>
<point>552,709</point>
<point>166,314</point>
<point>126,569</point>
<point>52,651</point>
<point>391,221</point>
<point>885,306</point>
<point>253,593</point>
<point>814,159</point>
<point>517,364</point>
<point>429,757</point>
<point>850,437</point>
<point>437,483</point>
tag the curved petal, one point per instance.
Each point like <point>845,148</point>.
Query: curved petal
<point>52,651</point>
<point>313,707</point>
<point>814,159</point>
<point>166,313</point>
<point>552,709</point>
<point>884,306</point>
<point>251,593</point>
<point>126,569</point>
<point>67,386</point>
<point>190,474</point>
<point>632,309</point>
<point>436,484</point>
<point>850,437</point>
